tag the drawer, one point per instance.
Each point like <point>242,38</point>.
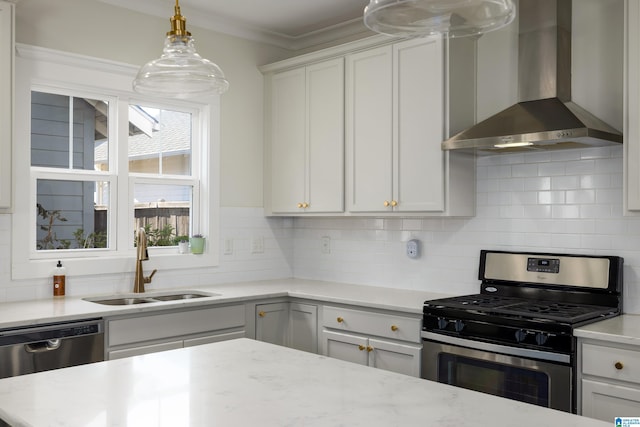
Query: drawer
<point>365,322</point>
<point>601,361</point>
<point>174,324</point>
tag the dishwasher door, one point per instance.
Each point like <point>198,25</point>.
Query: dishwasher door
<point>52,346</point>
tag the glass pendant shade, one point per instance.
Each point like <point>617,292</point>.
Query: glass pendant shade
<point>180,72</point>
<point>454,18</point>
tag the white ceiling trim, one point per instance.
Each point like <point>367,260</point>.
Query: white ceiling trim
<point>234,27</point>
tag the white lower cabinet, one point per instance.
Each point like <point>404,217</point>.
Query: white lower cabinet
<point>386,341</point>
<point>377,353</point>
<point>608,380</point>
<point>290,324</point>
<point>172,329</point>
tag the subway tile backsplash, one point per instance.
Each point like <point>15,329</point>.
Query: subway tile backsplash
<point>548,201</point>
<point>563,201</point>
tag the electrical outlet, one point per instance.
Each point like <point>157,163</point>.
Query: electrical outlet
<point>325,244</point>
<point>257,245</point>
<point>413,248</point>
<point>228,246</point>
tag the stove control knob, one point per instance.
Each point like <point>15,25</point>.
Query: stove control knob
<point>458,325</point>
<point>442,323</point>
<point>541,338</point>
<point>521,334</point>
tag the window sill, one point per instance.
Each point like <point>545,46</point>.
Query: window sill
<point>162,259</point>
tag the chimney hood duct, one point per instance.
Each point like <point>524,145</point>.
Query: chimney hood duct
<point>545,118</point>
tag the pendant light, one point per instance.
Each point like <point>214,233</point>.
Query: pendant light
<point>454,18</point>
<point>180,72</point>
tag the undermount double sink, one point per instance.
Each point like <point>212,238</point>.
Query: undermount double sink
<point>144,299</point>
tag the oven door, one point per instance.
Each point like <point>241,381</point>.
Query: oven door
<point>491,369</point>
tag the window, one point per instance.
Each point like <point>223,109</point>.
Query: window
<point>102,162</point>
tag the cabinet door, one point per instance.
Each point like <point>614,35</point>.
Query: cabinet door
<point>303,327</point>
<point>6,100</point>
<point>272,323</point>
<point>607,401</point>
<point>369,130</point>
<point>288,140</point>
<point>418,99</point>
<point>401,358</point>
<point>632,125</point>
<point>351,348</point>
<point>325,133</point>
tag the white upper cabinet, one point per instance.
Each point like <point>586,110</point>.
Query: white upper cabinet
<point>356,130</point>
<point>369,130</point>
<point>306,143</point>
<point>395,124</point>
<point>6,99</point>
<point>396,121</point>
<point>632,106</point>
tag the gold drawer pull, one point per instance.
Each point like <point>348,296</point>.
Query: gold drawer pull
<point>361,347</point>
<point>369,348</point>
<point>305,205</point>
<point>340,320</point>
<point>618,365</point>
<point>394,328</point>
<point>262,314</point>
<point>394,203</point>
<point>386,204</point>
<point>300,205</point>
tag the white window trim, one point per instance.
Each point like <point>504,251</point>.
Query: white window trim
<point>40,67</point>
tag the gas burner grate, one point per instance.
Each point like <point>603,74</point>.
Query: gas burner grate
<point>553,311</point>
<point>478,301</point>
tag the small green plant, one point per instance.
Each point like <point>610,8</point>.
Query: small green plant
<point>164,236</point>
<point>92,240</point>
<point>50,240</point>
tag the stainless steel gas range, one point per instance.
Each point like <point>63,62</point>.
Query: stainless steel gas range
<point>515,338</point>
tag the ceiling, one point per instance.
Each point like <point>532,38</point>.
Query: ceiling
<point>292,24</point>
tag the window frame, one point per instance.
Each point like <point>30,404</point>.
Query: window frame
<point>52,71</point>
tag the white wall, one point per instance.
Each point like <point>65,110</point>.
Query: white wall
<point>568,201</point>
<point>93,28</point>
<point>563,202</point>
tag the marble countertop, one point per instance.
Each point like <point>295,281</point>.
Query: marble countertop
<point>26,313</point>
<point>623,329</point>
<point>245,382</point>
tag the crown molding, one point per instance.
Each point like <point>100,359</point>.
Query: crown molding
<point>236,28</point>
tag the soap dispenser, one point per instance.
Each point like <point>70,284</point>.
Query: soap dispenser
<point>59,278</point>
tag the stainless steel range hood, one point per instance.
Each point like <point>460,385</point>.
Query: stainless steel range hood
<point>545,117</point>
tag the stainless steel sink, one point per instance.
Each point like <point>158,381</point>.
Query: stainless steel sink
<point>123,301</point>
<point>140,299</point>
<point>174,297</point>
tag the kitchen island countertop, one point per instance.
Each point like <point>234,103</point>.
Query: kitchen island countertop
<point>245,382</point>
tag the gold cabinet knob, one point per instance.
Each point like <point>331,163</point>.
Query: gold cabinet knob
<point>361,347</point>
<point>305,205</point>
<point>369,348</point>
<point>394,328</point>
<point>618,365</point>
<point>300,205</point>
<point>262,314</point>
<point>394,203</point>
<point>340,320</point>
<point>386,204</point>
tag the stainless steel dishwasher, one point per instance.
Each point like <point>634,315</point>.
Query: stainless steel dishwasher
<point>50,346</point>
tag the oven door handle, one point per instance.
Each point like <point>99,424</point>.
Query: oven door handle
<point>497,348</point>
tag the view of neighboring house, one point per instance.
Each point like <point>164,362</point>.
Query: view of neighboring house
<point>159,144</point>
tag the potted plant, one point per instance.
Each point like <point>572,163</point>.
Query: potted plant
<point>197,243</point>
